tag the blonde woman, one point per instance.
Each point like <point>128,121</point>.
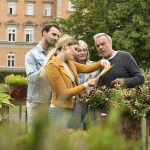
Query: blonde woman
<point>82,56</point>
<point>61,72</point>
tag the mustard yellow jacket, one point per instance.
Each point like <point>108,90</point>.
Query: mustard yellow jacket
<point>60,81</point>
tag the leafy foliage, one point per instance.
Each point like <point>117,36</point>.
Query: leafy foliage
<point>16,79</point>
<point>46,137</point>
<point>5,72</point>
<point>4,100</point>
<point>134,102</point>
<point>127,22</point>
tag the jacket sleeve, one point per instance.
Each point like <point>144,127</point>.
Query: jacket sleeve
<point>88,68</point>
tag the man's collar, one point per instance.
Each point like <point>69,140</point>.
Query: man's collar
<point>41,50</point>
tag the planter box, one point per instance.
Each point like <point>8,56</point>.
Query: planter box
<point>131,128</point>
<point>18,92</point>
<point>98,115</point>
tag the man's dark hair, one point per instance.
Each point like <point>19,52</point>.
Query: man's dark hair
<point>48,27</point>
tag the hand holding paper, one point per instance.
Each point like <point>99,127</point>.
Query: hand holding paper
<point>105,63</point>
<point>104,71</point>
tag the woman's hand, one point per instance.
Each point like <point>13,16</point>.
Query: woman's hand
<point>92,82</point>
<point>105,63</point>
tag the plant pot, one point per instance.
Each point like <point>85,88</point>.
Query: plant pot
<point>98,115</point>
<point>18,92</point>
<point>131,128</point>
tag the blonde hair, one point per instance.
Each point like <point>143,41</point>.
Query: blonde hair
<point>81,42</point>
<point>64,39</point>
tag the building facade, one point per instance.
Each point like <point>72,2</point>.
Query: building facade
<point>21,22</point>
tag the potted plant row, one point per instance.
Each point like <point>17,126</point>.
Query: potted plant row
<point>134,104</point>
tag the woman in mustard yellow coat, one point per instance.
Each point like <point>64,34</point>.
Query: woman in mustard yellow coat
<point>61,72</point>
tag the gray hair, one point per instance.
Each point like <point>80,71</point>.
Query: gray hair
<point>96,36</point>
<point>81,42</point>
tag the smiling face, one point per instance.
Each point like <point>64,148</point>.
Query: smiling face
<point>104,46</point>
<point>82,53</point>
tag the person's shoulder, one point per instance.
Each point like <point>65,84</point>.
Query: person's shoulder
<point>125,53</point>
<point>34,51</point>
<point>53,62</point>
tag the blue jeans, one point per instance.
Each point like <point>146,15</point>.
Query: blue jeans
<point>84,112</point>
<point>61,118</point>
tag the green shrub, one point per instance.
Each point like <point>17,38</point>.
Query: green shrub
<point>4,100</point>
<point>43,137</point>
<point>16,79</point>
<point>4,73</point>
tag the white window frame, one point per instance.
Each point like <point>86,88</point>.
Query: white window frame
<point>11,60</point>
<point>29,9</point>
<point>12,8</point>
<point>29,31</point>
<point>47,10</point>
<point>70,6</point>
<point>11,33</point>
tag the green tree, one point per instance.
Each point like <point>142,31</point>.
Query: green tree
<point>129,24</point>
<point>88,19</point>
<point>126,21</point>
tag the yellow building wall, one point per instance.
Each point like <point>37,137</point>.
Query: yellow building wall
<point>20,47</point>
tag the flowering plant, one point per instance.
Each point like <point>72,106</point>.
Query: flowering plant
<point>98,99</point>
<point>134,102</point>
<point>137,101</point>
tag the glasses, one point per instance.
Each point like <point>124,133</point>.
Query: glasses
<point>80,50</point>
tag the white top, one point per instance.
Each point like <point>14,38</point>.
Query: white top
<point>69,71</point>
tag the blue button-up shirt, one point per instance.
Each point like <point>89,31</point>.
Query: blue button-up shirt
<point>38,87</point>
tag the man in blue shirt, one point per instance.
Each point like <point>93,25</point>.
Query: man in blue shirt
<point>38,88</point>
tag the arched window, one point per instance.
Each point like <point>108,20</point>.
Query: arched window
<point>11,33</point>
<point>12,8</point>
<point>29,34</point>
<point>29,29</point>
<point>47,10</point>
<point>10,60</point>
